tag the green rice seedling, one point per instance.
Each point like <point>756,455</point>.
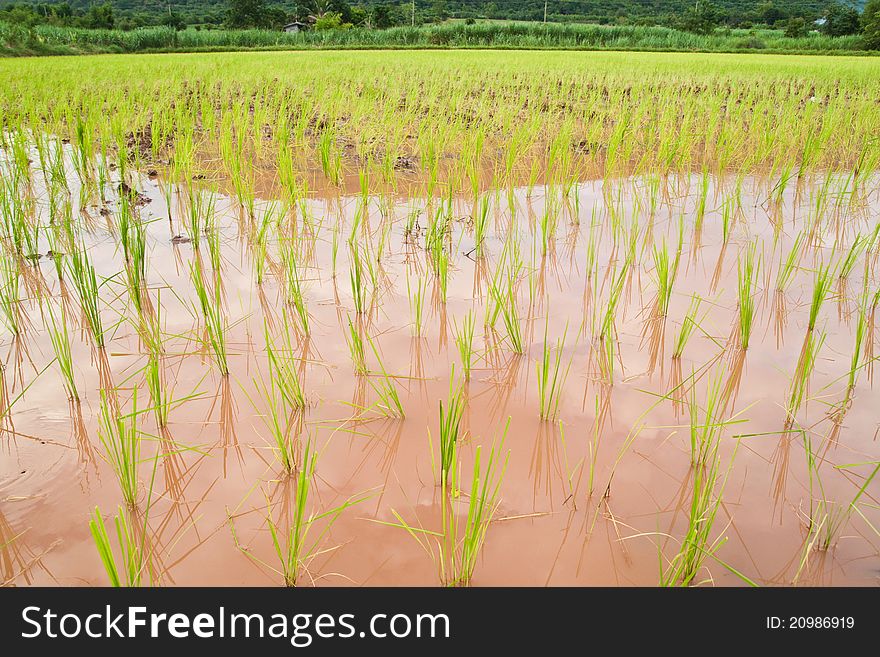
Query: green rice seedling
<point>280,420</point>
<point>86,283</point>
<point>549,220</point>
<point>747,282</point>
<point>464,340</point>
<point>827,518</point>
<point>502,290</point>
<point>697,545</point>
<point>261,255</point>
<point>481,225</point>
<point>212,237</point>
<point>800,382</point>
<point>416,294</point>
<point>482,507</point>
<point>450,427</point>
<point>134,565</point>
<point>212,313</point>
<point>688,325</point>
<point>121,440</point>
<point>282,370</point>
<point>784,276</point>
<point>856,358</point>
<point>389,401</point>
<point>298,545</point>
<point>701,204</point>
<point>356,349</point>
<point>357,279</point>
<point>666,272</point>
<point>159,394</point>
<point>295,294</point>
<point>10,300</point>
<point>821,288</point>
<point>850,259</point>
<point>331,161</point>
<point>457,547</point>
<point>551,376</point>
<point>61,346</point>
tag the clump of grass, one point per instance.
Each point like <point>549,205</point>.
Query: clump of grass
<point>697,545</point>
<point>357,279</point>
<point>826,518</point>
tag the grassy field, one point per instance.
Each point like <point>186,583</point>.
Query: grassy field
<point>374,318</point>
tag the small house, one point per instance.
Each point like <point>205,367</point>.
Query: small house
<point>296,26</point>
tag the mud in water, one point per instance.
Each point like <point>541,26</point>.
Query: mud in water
<point>215,466</point>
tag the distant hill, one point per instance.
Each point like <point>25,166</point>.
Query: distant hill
<point>664,12</point>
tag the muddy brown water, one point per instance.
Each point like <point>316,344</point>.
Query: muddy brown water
<point>549,529</point>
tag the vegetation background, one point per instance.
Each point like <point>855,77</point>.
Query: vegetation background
<point>799,26</point>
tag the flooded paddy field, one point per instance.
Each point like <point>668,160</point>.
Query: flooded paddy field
<point>464,319</point>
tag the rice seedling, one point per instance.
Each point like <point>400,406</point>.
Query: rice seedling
<point>84,279</point>
<point>799,387</point>
<point>551,376</point>
<point>356,349</point>
<point>450,428</point>
<point>357,279</point>
<point>464,340</point>
<point>215,324</point>
<point>416,294</point>
<point>826,518</point>
<point>133,566</point>
<point>688,325</point>
<point>121,439</point>
<point>698,545</point>
<point>456,548</point>
<point>296,546</point>
<point>61,346</point>
<point>747,282</point>
<point>383,385</point>
<point>821,288</point>
<point>294,287</point>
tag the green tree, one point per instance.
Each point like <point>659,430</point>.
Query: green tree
<point>796,27</point>
<point>702,18</point>
<point>381,18</point>
<point>841,20</point>
<point>871,24</point>
<point>246,13</point>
